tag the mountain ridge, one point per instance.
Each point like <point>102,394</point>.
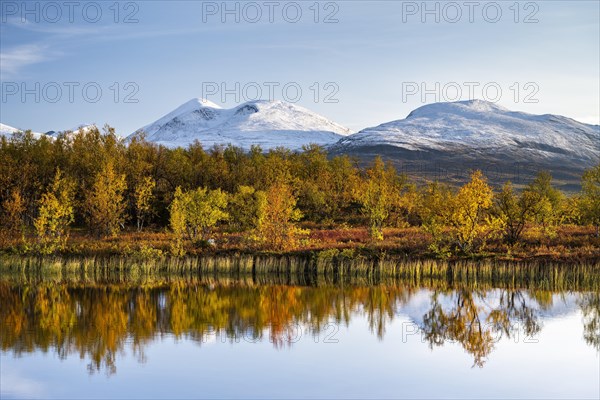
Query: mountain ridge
<point>442,141</point>
<point>260,122</point>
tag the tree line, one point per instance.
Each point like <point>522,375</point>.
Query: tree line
<point>94,180</point>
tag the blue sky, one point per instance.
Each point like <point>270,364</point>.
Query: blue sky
<point>371,63</point>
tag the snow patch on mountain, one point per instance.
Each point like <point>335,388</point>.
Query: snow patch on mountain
<point>8,131</point>
<point>481,126</point>
<point>268,124</point>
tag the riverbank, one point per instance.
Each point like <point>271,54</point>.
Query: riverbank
<point>571,244</point>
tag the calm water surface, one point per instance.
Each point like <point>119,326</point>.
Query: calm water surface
<point>196,338</point>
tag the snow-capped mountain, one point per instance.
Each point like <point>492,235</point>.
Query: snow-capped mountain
<point>85,127</point>
<point>268,124</point>
<point>481,125</point>
<point>8,131</point>
<point>480,134</point>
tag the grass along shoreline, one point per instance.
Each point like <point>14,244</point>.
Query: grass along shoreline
<point>309,268</point>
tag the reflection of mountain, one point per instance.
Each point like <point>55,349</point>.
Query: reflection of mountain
<point>99,321</point>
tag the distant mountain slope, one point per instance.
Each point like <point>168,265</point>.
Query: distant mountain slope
<point>268,124</point>
<point>448,139</point>
<point>7,130</point>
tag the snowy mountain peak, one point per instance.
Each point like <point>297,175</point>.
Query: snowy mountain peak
<point>477,132</point>
<point>480,105</point>
<point>468,107</point>
<point>8,131</point>
<point>258,122</point>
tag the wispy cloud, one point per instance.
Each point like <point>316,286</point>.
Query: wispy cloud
<point>13,60</point>
<point>50,28</point>
<point>55,41</point>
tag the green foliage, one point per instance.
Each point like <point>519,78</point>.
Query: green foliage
<point>142,196</point>
<point>435,211</point>
<point>105,202</point>
<point>547,200</point>
<point>55,214</point>
<point>460,217</point>
<point>379,196</point>
<point>590,198</point>
<point>177,222</point>
<point>513,211</point>
<point>196,212</point>
<point>146,253</point>
<point>246,207</point>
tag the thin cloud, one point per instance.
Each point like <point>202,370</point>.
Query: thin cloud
<point>55,29</point>
<point>12,61</point>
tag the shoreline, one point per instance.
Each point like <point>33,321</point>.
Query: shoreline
<point>290,268</point>
<point>570,245</point>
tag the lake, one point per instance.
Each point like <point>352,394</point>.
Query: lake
<point>268,337</point>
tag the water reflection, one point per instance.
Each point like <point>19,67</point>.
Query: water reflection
<point>99,321</point>
<point>470,319</point>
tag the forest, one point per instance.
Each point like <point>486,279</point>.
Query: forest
<point>90,192</point>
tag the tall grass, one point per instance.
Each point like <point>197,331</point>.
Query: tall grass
<point>330,267</point>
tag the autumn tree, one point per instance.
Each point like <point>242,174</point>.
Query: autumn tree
<point>470,204</point>
<point>13,209</point>
<point>105,203</point>
<point>55,214</point>
<point>379,196</point>
<point>276,228</point>
<point>435,209</point>
<point>177,222</point>
<point>197,211</point>
<point>548,202</point>
<point>514,211</point>
<point>246,207</point>
<point>345,179</point>
<point>314,183</point>
<point>142,196</point>
<point>589,201</point>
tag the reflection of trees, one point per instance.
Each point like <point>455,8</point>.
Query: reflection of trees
<point>476,324</point>
<point>98,322</point>
<point>590,308</point>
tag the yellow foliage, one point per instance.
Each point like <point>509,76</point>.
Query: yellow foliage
<point>12,212</point>
<point>105,205</point>
<point>276,228</point>
<point>55,214</point>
